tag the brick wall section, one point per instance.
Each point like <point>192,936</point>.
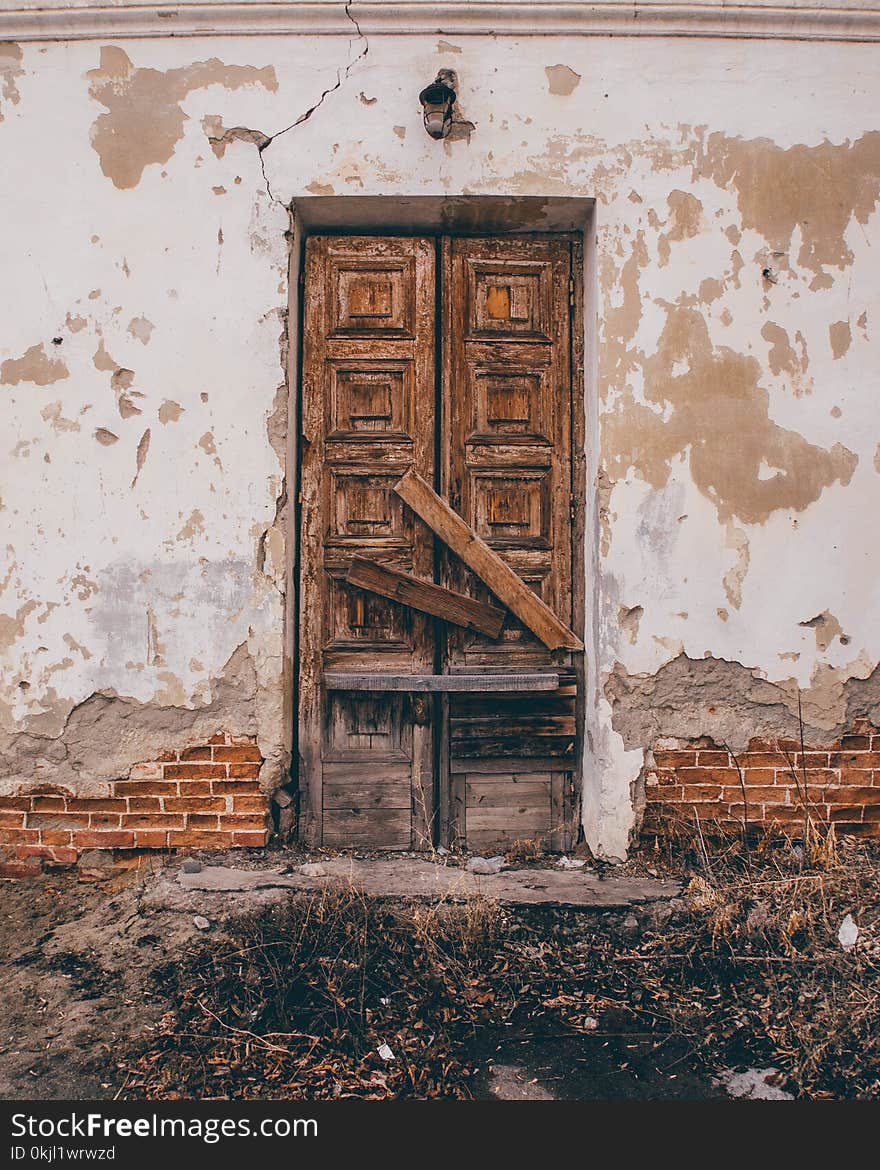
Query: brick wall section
<point>842,781</point>
<point>203,797</point>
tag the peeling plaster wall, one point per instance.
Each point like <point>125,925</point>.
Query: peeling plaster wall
<point>733,344</point>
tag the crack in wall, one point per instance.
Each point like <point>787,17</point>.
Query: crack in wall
<point>342,76</point>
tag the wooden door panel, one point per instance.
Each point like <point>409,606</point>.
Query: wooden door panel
<point>368,417</point>
<point>506,469</point>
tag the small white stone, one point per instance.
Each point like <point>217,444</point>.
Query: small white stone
<point>848,934</point>
<point>312,869</point>
<point>201,923</point>
<point>486,865</point>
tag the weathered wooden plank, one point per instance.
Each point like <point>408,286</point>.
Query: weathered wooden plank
<point>367,794</point>
<point>380,828</point>
<point>559,746</point>
<point>509,792</point>
<point>476,554</point>
<point>426,597</point>
<point>539,725</point>
<point>420,683</point>
<point>516,820</point>
<point>504,767</point>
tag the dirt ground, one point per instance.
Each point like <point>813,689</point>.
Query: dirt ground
<point>100,981</point>
<point>79,991</point>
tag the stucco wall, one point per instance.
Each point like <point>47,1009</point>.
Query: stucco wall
<point>733,341</point>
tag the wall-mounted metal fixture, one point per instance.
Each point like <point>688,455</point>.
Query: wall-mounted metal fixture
<point>437,101</point>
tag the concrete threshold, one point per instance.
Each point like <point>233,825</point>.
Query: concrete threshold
<point>418,878</point>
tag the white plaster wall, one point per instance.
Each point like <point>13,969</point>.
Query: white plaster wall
<point>145,591</point>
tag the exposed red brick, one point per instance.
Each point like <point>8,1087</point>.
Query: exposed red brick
<point>857,760</point>
<point>763,776</point>
<point>18,836</point>
<point>238,754</point>
<point>204,796</point>
<point>142,804</point>
<point>233,787</point>
<point>246,821</point>
<point>196,804</point>
<point>252,804</point>
<point>202,821</point>
<point>244,771</point>
<point>196,753</point>
<point>152,821</point>
<point>58,820</point>
<point>853,812</point>
<point>19,869</point>
<point>667,758</point>
<point>48,804</point>
<point>193,771</point>
<point>257,840</point>
<point>841,782</point>
<point>760,794</point>
<point>103,839</point>
<point>150,839</point>
<point>56,837</point>
<point>104,821</point>
<point>700,792</point>
<point>712,759</point>
<point>198,840</point>
<point>195,788</point>
<point>49,854</point>
<point>15,803</point>
<point>861,743</point>
<point>706,775</point>
<point>99,804</point>
<point>811,759</point>
<point>145,787</point>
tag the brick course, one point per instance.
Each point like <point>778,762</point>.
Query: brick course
<point>842,784</point>
<point>204,796</point>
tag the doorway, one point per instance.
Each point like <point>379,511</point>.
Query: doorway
<point>429,712</point>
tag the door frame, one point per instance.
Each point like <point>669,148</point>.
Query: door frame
<point>459,216</point>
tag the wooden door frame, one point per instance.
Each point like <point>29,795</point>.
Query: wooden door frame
<point>574,218</point>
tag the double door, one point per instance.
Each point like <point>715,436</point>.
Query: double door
<point>450,359</point>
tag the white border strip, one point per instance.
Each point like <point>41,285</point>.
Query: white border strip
<point>69,20</point>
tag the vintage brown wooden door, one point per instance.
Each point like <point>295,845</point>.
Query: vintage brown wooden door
<point>452,358</point>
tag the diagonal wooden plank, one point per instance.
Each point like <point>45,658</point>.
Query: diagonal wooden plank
<point>425,596</point>
<point>476,554</point>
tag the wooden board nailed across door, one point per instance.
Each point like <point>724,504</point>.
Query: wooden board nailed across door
<point>394,768</point>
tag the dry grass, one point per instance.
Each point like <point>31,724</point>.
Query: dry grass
<point>747,970</point>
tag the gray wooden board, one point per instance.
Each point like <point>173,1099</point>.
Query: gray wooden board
<point>493,683</point>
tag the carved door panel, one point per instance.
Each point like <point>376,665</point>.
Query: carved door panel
<point>368,416</point>
<point>506,468</point>
<point>498,413</point>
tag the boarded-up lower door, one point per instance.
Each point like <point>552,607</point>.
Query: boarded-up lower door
<point>396,770</point>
